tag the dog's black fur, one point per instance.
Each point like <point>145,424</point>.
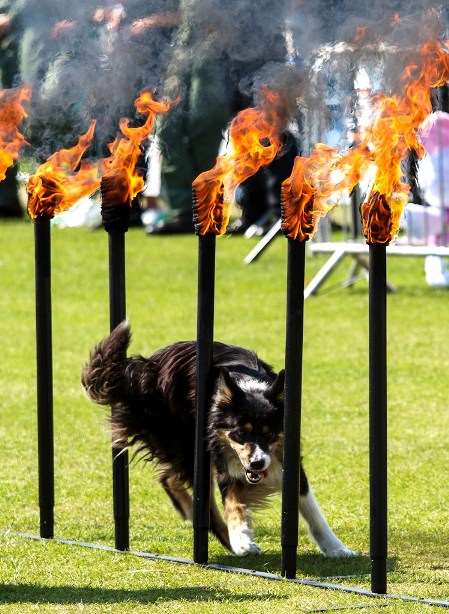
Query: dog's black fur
<point>153,403</point>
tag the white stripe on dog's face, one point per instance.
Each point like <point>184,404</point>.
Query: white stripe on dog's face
<point>250,384</point>
<point>259,455</point>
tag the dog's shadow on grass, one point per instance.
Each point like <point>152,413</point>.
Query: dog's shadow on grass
<point>35,593</point>
<point>310,565</point>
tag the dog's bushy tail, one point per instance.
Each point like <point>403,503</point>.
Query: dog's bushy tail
<point>124,383</point>
<point>104,376</point>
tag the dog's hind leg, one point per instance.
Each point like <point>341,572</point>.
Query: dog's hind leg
<point>217,524</point>
<point>319,529</point>
<point>178,493</point>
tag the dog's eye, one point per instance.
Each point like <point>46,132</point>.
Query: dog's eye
<point>237,435</point>
<point>248,427</point>
<point>265,429</point>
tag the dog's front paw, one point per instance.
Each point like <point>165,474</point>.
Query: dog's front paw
<point>246,547</point>
<point>242,544</point>
<point>338,551</point>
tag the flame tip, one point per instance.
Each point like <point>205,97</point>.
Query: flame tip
<point>125,150</point>
<point>57,185</point>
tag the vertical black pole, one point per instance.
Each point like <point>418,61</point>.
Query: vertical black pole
<point>117,313</point>
<point>442,179</point>
<point>292,405</point>
<point>44,375</point>
<point>355,193</point>
<point>378,417</point>
<point>412,176</point>
<point>205,336</point>
<point>355,212</point>
<point>445,98</point>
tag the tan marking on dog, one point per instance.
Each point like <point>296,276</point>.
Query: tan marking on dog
<point>234,466</point>
<point>243,451</point>
<point>224,393</point>
<point>217,524</point>
<point>277,447</point>
<point>178,492</point>
<point>237,517</point>
<point>248,427</point>
<point>235,510</point>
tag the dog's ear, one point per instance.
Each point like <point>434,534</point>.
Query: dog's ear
<point>226,385</point>
<point>276,391</point>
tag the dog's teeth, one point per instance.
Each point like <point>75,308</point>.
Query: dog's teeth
<point>253,478</point>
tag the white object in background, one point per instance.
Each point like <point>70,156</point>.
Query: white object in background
<point>154,159</point>
<point>423,224</point>
<point>153,178</point>
<point>437,273</point>
<point>86,212</point>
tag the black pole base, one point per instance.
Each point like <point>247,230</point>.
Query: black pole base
<point>121,533</point>
<point>47,526</point>
<point>289,562</point>
<point>200,546</point>
<point>379,576</point>
<point>120,489</point>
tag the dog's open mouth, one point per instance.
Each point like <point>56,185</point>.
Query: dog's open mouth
<point>254,477</point>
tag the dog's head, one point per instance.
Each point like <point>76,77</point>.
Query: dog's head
<point>248,418</point>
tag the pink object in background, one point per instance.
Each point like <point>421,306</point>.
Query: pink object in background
<point>433,177</point>
<point>433,172</point>
<point>434,132</point>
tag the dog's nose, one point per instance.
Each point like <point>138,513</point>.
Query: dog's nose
<point>257,465</point>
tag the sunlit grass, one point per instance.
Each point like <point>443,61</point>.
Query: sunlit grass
<point>161,290</point>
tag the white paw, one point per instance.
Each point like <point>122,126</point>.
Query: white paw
<point>242,544</point>
<point>338,551</point>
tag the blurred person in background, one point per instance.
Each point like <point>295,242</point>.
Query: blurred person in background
<point>9,68</point>
<point>32,33</point>
<point>217,51</point>
<point>138,41</point>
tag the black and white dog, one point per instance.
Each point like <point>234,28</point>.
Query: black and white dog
<point>154,409</point>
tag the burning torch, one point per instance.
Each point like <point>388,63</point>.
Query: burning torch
<point>253,142</point>
<point>392,135</point>
<point>380,220</point>
<point>12,113</point>
<point>120,184</point>
<point>55,187</point>
<point>303,201</point>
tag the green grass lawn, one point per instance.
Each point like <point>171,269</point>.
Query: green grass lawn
<point>250,312</point>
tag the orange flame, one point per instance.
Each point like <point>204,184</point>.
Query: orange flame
<point>12,113</point>
<point>253,142</point>
<point>394,133</point>
<point>57,184</point>
<point>314,180</point>
<point>124,183</point>
<point>385,144</point>
<point>303,202</point>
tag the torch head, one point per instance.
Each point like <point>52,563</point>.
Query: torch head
<point>115,202</point>
<point>381,217</point>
